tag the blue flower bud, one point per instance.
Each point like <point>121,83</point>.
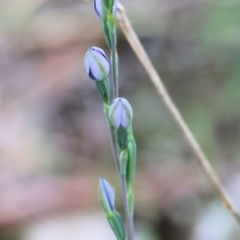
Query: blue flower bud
<point>99,8</point>
<point>120,113</point>
<point>106,194</point>
<point>96,63</point>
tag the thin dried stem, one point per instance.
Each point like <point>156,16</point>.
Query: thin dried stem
<point>137,47</point>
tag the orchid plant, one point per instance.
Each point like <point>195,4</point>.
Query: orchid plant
<point>119,115</point>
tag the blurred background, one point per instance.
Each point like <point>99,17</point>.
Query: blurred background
<point>54,141</point>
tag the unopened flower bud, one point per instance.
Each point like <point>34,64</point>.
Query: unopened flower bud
<point>96,63</point>
<point>120,113</point>
<point>109,5</point>
<point>106,194</point>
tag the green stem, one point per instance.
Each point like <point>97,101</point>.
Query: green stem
<point>122,179</point>
<point>123,186</point>
<point>114,62</point>
<point>127,211</point>
<point>112,138</point>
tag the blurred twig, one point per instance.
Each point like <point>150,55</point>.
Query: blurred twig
<point>137,47</point>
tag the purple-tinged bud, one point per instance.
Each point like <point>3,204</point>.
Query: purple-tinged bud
<point>120,113</point>
<point>99,7</point>
<point>96,63</point>
<point>106,194</point>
